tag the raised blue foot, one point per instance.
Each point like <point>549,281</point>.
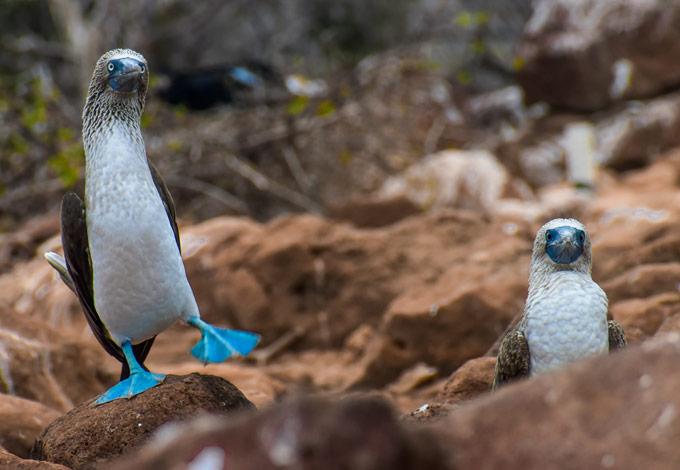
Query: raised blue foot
<point>139,381</point>
<point>217,344</point>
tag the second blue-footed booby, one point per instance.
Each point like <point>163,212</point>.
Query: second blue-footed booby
<point>565,317</point>
<point>122,246</point>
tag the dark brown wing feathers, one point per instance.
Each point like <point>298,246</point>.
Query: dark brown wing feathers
<point>513,358</point>
<point>77,254</point>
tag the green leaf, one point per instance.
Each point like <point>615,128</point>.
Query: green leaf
<point>65,134</point>
<point>464,77</point>
<point>326,108</point>
<point>481,17</point>
<point>464,19</point>
<point>478,46</point>
<point>146,120</point>
<point>18,145</point>
<point>68,163</point>
<point>175,145</point>
<point>297,105</point>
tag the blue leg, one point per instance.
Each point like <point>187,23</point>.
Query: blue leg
<point>217,344</point>
<point>139,381</point>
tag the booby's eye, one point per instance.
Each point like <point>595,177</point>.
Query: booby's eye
<point>143,68</point>
<point>581,237</point>
<point>549,236</point>
<point>110,67</point>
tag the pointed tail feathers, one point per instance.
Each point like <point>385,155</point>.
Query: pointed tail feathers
<point>59,264</point>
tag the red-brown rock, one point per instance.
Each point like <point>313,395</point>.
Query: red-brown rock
<point>472,379</point>
<point>21,421</point>
<point>89,435</point>
<point>359,434</point>
<point>584,55</point>
<point>325,277</point>
<point>612,411</point>
<point>42,364</point>
<point>456,319</point>
<point>12,462</point>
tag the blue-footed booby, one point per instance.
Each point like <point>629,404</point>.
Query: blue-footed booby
<point>121,246</point>
<point>565,316</point>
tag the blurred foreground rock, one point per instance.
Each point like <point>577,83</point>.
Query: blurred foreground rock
<point>89,435</point>
<point>357,434</point>
<point>613,411</point>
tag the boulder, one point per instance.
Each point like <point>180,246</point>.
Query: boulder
<point>585,54</point>
<point>89,435</point>
<point>318,275</point>
<point>469,179</point>
<point>643,281</point>
<point>12,462</point>
<point>642,317</point>
<point>21,421</point>
<point>631,137</point>
<point>611,411</point>
<point>42,364</point>
<point>457,318</point>
<point>361,434</point>
<point>472,379</point>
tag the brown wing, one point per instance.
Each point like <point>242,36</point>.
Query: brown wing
<point>168,203</point>
<point>513,358</point>
<point>77,254</point>
<point>617,337</point>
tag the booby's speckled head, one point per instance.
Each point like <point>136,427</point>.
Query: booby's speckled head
<point>118,86</point>
<point>562,245</point>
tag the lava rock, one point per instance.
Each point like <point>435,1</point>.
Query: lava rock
<point>12,462</point>
<point>583,54</point>
<point>38,363</point>
<point>89,435</point>
<point>470,380</point>
<point>456,319</point>
<point>21,421</point>
<point>611,411</point>
<point>357,434</point>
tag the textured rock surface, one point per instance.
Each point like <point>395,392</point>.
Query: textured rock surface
<point>352,434</point>
<point>470,380</point>
<point>615,411</point>
<point>12,462</point>
<point>21,421</point>
<point>89,435</point>
<point>312,273</point>
<point>37,362</point>
<point>455,319</point>
<point>584,54</point>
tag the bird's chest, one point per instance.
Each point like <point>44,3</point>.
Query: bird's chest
<point>138,274</point>
<point>566,322</point>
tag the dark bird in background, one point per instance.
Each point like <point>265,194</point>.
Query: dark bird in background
<point>565,317</point>
<point>122,245</point>
<point>205,87</point>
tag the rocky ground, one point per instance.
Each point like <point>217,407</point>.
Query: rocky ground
<point>377,323</point>
<point>381,319</point>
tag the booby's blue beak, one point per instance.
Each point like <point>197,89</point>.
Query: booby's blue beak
<point>564,244</point>
<point>125,74</point>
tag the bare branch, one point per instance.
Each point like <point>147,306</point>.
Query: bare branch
<point>218,194</point>
<point>263,183</point>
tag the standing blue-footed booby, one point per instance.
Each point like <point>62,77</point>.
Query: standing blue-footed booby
<point>565,317</point>
<point>122,245</point>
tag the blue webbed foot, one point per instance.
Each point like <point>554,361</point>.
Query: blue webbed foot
<point>217,344</point>
<point>139,381</point>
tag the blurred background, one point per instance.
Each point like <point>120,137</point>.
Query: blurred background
<point>270,107</point>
